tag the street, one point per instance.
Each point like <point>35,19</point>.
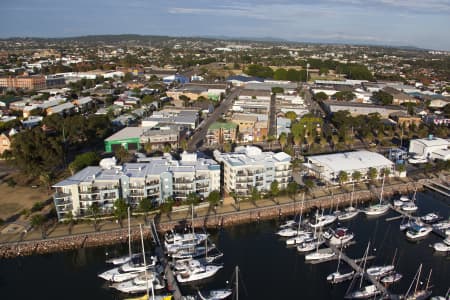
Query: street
<point>198,137</point>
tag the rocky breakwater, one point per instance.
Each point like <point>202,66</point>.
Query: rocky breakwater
<point>66,243</point>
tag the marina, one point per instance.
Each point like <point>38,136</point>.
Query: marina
<point>258,252</point>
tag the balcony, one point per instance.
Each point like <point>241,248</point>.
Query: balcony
<point>62,195</point>
<point>153,182</point>
<point>183,180</point>
<point>137,187</point>
<point>89,191</point>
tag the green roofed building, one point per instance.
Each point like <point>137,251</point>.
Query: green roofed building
<point>129,138</point>
<point>221,132</point>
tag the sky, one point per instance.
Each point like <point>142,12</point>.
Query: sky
<point>420,23</point>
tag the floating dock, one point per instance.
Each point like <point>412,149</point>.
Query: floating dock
<point>437,187</point>
<point>172,284</point>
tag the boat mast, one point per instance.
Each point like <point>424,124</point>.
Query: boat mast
<point>395,254</point>
<point>237,282</point>
<point>412,282</point>
<point>129,233</point>
<point>301,212</point>
<point>418,279</point>
<point>351,195</point>
<point>145,262</point>
<point>428,281</point>
<point>382,189</point>
<point>192,223</point>
<point>364,264</point>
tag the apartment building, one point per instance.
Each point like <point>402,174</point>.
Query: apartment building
<point>155,179</point>
<point>249,167</point>
<point>219,133</point>
<point>24,82</point>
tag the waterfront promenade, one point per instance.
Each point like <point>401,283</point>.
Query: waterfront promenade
<point>83,234</point>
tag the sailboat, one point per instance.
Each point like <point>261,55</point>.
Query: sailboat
<point>419,294</point>
<point>368,291</point>
<point>126,258</point>
<point>322,220</point>
<point>350,212</point>
<point>220,293</point>
<point>310,243</point>
<point>320,255</point>
<point>337,276</point>
<point>302,235</point>
<point>380,208</point>
<point>147,295</point>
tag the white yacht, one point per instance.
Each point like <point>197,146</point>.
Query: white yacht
<point>380,271</point>
<point>404,198</point>
<point>409,206</point>
<point>287,232</point>
<point>337,276</point>
<point>299,238</point>
<point>320,255</point>
<point>140,284</point>
<point>443,225</point>
<point>397,203</point>
<point>340,236</point>
<point>323,220</point>
<point>198,273</point>
<point>444,246</point>
<point>380,208</point>
<point>364,293</point>
<point>391,278</point>
<point>310,244</point>
<point>431,218</point>
<point>125,272</point>
<point>175,241</point>
<point>349,212</point>
<point>288,224</point>
<point>417,231</point>
<point>216,294</point>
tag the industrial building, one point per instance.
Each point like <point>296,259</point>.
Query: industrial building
<point>328,166</point>
<point>422,150</point>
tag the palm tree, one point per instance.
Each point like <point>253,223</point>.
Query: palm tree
<point>120,210</point>
<point>356,176</point>
<point>145,205</point>
<point>37,221</point>
<point>94,210</point>
<point>342,177</point>
<point>283,140</point>
<point>274,190</point>
<point>292,188</point>
<point>372,173</point>
<point>255,196</point>
<point>69,219</point>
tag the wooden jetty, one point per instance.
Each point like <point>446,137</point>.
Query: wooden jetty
<point>352,263</point>
<point>437,187</point>
<point>172,283</point>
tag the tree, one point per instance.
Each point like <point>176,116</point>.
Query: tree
<point>36,153</point>
<point>356,176</point>
<point>372,173</point>
<point>83,160</point>
<point>46,179</point>
<point>382,97</point>
<point>148,147</point>
<point>122,154</point>
<point>385,172</point>
<point>344,96</point>
<point>167,148</point>
<point>120,210</point>
<point>255,195</point>
<point>291,115</point>
<point>213,198</point>
<point>280,74</point>
<point>321,96</point>
<point>400,168</point>
<point>292,189</point>
<point>277,90</point>
<point>193,198</point>
<point>259,71</point>
<point>145,205</point>
<point>94,211</point>
<point>37,221</point>
<point>342,177</point>
<point>309,184</point>
<point>227,147</point>
<point>70,220</point>
<point>185,100</point>
<point>283,140</point>
<point>274,189</point>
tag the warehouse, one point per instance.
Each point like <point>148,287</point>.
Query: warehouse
<point>328,166</point>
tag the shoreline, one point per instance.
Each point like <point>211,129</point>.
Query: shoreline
<point>212,220</point>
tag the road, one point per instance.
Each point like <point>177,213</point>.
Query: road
<point>197,139</point>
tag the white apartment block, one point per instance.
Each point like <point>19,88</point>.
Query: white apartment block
<point>250,167</point>
<point>155,179</point>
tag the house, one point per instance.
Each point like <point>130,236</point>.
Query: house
<point>5,143</point>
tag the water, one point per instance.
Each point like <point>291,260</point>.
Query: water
<point>269,270</point>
